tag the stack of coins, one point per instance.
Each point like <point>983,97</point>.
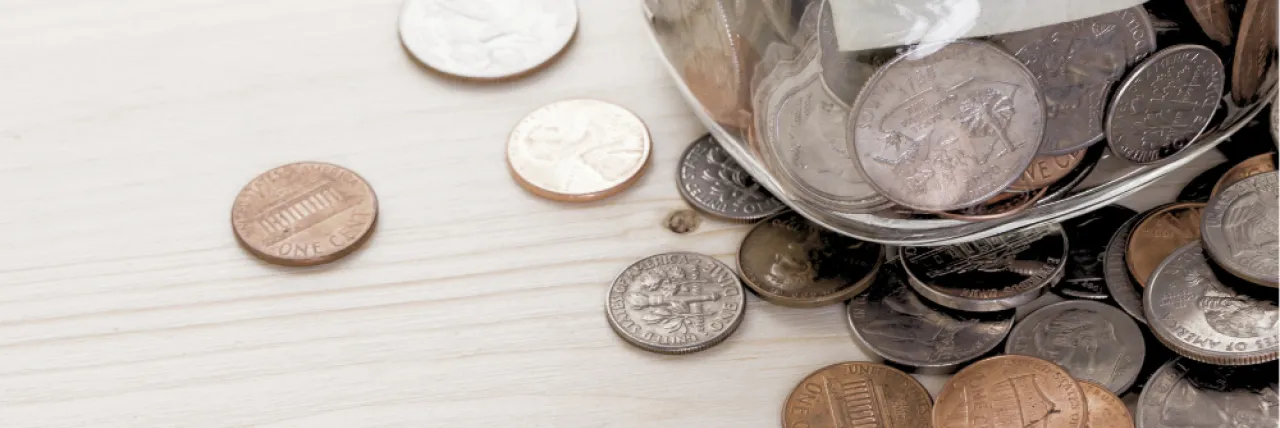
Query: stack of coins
<point>971,129</point>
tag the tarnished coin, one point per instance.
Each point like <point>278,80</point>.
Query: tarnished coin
<point>790,261</point>
<point>1011,391</point>
<point>858,394</point>
<point>1240,230</point>
<point>1120,284</point>
<point>1046,170</point>
<point>487,39</point>
<point>1158,234</point>
<point>1194,312</point>
<point>1254,50</point>
<point>1183,393</point>
<point>713,182</point>
<point>1201,187</point>
<point>1214,19</point>
<point>1164,103</point>
<point>675,303</point>
<point>1259,164</point>
<point>945,127</point>
<point>896,324</point>
<point>578,150</point>
<point>304,214</point>
<point>803,128</point>
<point>991,274</point>
<point>1091,340</point>
<point>1076,64</point>
<point>1089,235</point>
<point>1106,410</point>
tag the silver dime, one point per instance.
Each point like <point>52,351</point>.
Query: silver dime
<point>991,274</point>
<point>675,303</point>
<point>1193,312</point>
<point>1186,394</point>
<point>1092,340</point>
<point>1089,235</point>
<point>713,182</point>
<point>896,324</point>
<point>1165,103</point>
<point>1076,64</point>
<point>1123,289</point>
<point>803,130</point>
<point>1240,230</point>
<point>944,127</point>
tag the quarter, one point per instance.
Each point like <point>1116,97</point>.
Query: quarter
<point>578,150</point>
<point>857,394</point>
<point>1091,340</point>
<point>711,181</point>
<point>487,39</point>
<point>1240,230</point>
<point>304,214</point>
<point>1183,393</point>
<point>1164,103</point>
<point>1196,313</point>
<point>790,261</point>
<point>1089,235</point>
<point>943,127</point>
<point>894,323</point>
<point>1076,64</point>
<point>1158,234</point>
<point>991,274</point>
<point>1013,391</point>
<point>675,303</point>
<point>1106,410</point>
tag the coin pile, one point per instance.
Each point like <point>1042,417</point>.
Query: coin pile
<point>1206,337</point>
<point>971,129</point>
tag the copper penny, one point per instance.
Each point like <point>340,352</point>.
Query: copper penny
<point>1265,162</point>
<point>578,150</point>
<point>1011,391</point>
<point>717,63</point>
<point>1213,18</point>
<point>304,214</point>
<point>1106,410</point>
<point>1046,170</point>
<point>1254,48</point>
<point>857,394</point>
<point>1158,234</point>
<point>1000,206</point>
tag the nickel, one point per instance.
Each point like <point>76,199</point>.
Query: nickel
<point>1091,340</point>
<point>991,274</point>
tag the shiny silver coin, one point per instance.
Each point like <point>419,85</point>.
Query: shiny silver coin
<point>675,303</point>
<point>1089,235</point>
<point>803,132</point>
<point>791,261</point>
<point>1092,340</point>
<point>1120,284</point>
<point>991,274</point>
<point>1165,103</point>
<point>487,39</point>
<point>1186,394</point>
<point>1076,64</point>
<point>1240,229</point>
<point>944,127</point>
<point>1196,314</point>
<point>893,322</point>
<point>711,181</point>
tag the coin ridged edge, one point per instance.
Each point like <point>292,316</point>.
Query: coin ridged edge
<point>728,330</point>
<point>1123,233</point>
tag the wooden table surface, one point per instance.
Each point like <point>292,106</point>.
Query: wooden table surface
<point>127,128</point>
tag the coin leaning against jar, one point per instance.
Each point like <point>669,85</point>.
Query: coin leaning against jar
<point>675,303</point>
<point>1011,390</point>
<point>1208,317</point>
<point>1240,230</point>
<point>790,261</point>
<point>713,182</point>
<point>857,394</point>
<point>304,214</point>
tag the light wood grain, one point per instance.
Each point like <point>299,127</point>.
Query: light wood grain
<point>127,127</point>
